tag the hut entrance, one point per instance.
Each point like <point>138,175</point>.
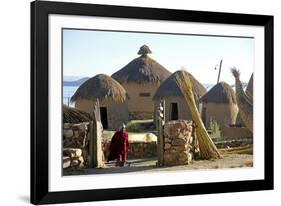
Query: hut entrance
<point>204,113</point>
<point>103,115</point>
<point>174,111</point>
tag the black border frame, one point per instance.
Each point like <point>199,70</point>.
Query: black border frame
<point>39,102</point>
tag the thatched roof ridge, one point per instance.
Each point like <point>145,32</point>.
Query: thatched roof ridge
<point>220,93</point>
<point>170,87</point>
<point>73,115</point>
<point>142,70</point>
<point>100,87</point>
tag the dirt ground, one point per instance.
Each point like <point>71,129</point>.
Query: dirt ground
<point>149,165</point>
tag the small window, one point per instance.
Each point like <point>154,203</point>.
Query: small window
<point>144,94</point>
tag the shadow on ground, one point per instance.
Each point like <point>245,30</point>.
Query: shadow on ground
<point>132,165</point>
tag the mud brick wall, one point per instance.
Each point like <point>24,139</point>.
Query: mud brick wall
<point>179,142</point>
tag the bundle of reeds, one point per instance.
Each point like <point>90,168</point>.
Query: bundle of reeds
<point>207,148</point>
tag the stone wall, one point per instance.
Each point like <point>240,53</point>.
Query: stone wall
<point>179,142</point>
<point>136,149</point>
<point>75,144</point>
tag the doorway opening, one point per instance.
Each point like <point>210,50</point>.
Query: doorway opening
<point>204,116</point>
<point>103,115</point>
<point>174,111</point>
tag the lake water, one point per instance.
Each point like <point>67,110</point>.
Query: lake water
<point>68,92</point>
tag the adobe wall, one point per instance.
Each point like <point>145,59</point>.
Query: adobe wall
<point>235,132</point>
<point>117,113</point>
<point>140,107</point>
<point>224,114</point>
<point>183,109</point>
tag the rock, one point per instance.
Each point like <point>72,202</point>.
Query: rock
<point>76,133</point>
<point>67,133</point>
<point>66,162</point>
<point>177,127</point>
<point>181,148</point>
<point>67,125</point>
<point>189,157</point>
<point>83,127</point>
<point>168,157</point>
<point>167,146</point>
<point>82,162</point>
<point>168,140</point>
<point>72,152</point>
<point>178,142</point>
<point>75,163</point>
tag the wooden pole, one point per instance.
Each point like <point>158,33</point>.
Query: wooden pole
<point>160,136</point>
<point>219,71</point>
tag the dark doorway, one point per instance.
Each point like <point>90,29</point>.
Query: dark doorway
<point>204,113</point>
<point>103,116</point>
<point>174,111</point>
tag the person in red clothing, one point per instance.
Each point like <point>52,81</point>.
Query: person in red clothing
<point>119,146</point>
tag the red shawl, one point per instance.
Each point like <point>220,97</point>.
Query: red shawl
<point>119,145</point>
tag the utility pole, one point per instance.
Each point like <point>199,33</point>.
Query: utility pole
<point>219,72</point>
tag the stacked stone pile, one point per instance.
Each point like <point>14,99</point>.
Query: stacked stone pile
<point>75,144</point>
<point>72,157</point>
<point>180,143</point>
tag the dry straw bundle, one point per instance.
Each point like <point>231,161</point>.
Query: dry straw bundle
<point>208,149</point>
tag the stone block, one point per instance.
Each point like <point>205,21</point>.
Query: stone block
<point>72,152</point>
<point>167,146</point>
<point>66,162</point>
<point>178,142</point>
<point>177,128</point>
<point>67,133</point>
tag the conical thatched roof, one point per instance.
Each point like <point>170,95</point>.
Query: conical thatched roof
<point>249,90</point>
<point>142,69</point>
<point>170,87</point>
<point>220,93</point>
<point>72,115</point>
<point>100,87</point>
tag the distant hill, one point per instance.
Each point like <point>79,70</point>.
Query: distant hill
<point>75,83</point>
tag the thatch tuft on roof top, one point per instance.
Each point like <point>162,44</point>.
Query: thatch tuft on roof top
<point>72,115</point>
<point>100,87</point>
<point>142,70</point>
<point>144,50</point>
<point>220,93</point>
<point>170,87</point>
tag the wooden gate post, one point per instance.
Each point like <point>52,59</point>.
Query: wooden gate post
<point>96,152</point>
<point>160,136</point>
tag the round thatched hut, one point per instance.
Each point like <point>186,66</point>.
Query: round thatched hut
<point>175,105</point>
<point>112,98</point>
<point>219,104</point>
<point>141,78</point>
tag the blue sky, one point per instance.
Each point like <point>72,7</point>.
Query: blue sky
<point>88,52</point>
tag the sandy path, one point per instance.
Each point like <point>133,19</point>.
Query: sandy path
<point>149,165</point>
